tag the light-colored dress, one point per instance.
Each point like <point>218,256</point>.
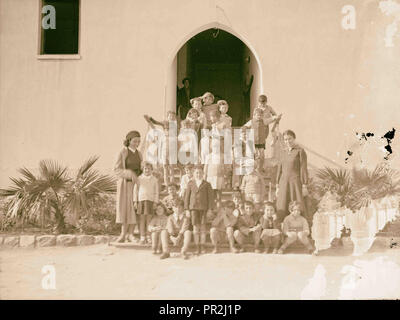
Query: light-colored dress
<point>215,172</point>
<point>125,212</point>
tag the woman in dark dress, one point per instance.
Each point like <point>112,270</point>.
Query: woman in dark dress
<point>292,176</point>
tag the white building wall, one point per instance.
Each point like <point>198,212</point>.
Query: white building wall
<point>314,72</point>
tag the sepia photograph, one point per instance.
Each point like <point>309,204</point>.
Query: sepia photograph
<point>199,150</point>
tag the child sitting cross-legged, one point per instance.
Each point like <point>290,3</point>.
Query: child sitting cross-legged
<point>248,228</point>
<point>295,227</point>
<point>222,226</point>
<point>177,231</point>
<point>270,234</point>
<point>157,224</point>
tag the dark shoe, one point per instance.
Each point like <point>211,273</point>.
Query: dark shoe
<point>164,256</point>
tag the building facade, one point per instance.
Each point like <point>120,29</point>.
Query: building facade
<point>330,76</point>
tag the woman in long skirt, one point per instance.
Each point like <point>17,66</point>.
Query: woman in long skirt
<point>127,168</point>
<point>292,176</point>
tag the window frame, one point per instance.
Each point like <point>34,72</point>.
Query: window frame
<point>63,56</point>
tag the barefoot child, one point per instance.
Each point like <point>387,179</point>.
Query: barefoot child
<point>157,224</point>
<point>145,196</point>
<point>222,226</point>
<point>248,228</point>
<point>270,233</point>
<point>295,227</point>
<point>177,231</point>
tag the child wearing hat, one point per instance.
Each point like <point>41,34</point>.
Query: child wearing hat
<point>223,109</point>
<point>157,224</point>
<point>127,168</point>
<point>146,194</point>
<point>177,231</point>
<point>223,225</point>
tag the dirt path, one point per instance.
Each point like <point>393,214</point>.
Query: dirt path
<point>102,272</point>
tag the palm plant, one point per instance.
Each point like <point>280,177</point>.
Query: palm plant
<point>86,188</point>
<point>373,184</point>
<point>52,192</point>
<point>335,180</point>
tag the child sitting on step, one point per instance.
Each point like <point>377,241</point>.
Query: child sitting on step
<point>270,230</point>
<point>248,228</point>
<point>177,231</point>
<point>157,224</point>
<point>223,225</point>
<point>295,227</point>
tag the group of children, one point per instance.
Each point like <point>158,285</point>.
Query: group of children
<point>193,207</point>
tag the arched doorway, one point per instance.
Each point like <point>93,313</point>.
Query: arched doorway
<point>218,61</point>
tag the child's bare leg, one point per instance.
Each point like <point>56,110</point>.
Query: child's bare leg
<point>291,238</point>
<point>267,242</point>
<point>256,239</point>
<point>147,221</point>
<point>124,228</point>
<point>165,245</point>
<point>239,237</point>
<point>154,240</point>
<point>196,238</point>
<point>231,239</point>
<point>303,237</point>
<point>142,228</point>
<point>214,238</point>
<point>275,240</point>
<point>131,228</point>
<point>187,237</point>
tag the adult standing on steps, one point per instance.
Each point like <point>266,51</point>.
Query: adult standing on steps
<point>183,99</point>
<point>292,176</point>
<point>127,168</point>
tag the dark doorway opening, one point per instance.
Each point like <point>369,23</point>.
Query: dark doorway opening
<point>216,61</point>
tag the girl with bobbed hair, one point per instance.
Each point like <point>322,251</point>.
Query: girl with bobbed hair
<point>292,176</point>
<point>127,169</point>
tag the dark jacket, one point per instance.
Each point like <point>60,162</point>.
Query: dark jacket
<point>201,198</point>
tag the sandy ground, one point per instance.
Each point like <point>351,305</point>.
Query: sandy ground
<point>105,272</point>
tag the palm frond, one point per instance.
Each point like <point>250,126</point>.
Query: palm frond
<point>87,165</point>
